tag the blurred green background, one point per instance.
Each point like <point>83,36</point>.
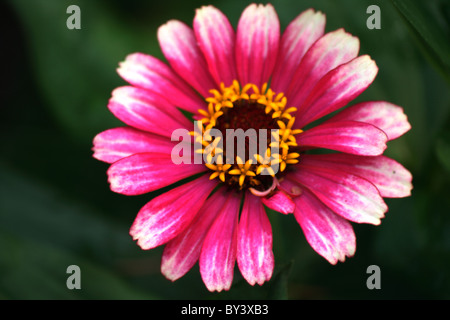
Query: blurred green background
<point>56,208</point>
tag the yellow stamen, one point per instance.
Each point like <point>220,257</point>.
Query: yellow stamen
<point>211,148</point>
<point>211,115</point>
<point>243,170</point>
<point>219,169</point>
<point>286,158</point>
<point>274,105</point>
<point>265,163</point>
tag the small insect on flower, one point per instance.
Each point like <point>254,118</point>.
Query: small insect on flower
<point>253,78</point>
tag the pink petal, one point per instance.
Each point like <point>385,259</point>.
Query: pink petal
<point>167,215</point>
<point>384,115</point>
<point>182,252</point>
<point>346,136</point>
<point>329,235</point>
<point>219,247</point>
<point>299,35</point>
<point>146,172</point>
<point>258,36</point>
<point>280,202</point>
<point>290,188</point>
<point>118,143</point>
<point>389,176</point>
<point>179,45</point>
<point>216,38</point>
<point>338,87</point>
<point>143,110</point>
<point>254,249</point>
<point>330,51</point>
<point>349,195</point>
<point>149,73</point>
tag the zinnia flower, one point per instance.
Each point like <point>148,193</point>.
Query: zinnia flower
<point>253,78</point>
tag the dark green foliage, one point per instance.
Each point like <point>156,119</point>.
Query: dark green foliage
<point>56,208</point>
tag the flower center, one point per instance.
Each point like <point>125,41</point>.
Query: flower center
<point>246,135</point>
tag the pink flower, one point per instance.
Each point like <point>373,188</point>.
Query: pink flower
<point>221,77</point>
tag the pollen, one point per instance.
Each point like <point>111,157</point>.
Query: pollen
<point>247,107</point>
<point>243,170</point>
<point>219,168</point>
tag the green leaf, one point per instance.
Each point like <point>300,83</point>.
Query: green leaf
<point>279,284</point>
<point>32,270</point>
<point>76,69</point>
<point>427,22</point>
<point>443,152</point>
<point>42,233</point>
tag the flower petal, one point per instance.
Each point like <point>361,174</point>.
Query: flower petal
<point>328,234</point>
<point>164,217</point>
<point>290,188</point>
<point>330,51</point>
<point>389,176</point>
<point>216,39</point>
<point>182,252</point>
<point>346,136</point>
<point>257,40</point>
<point>280,202</point>
<point>179,45</point>
<point>118,143</point>
<point>254,249</point>
<point>298,37</point>
<point>141,109</point>
<point>349,195</point>
<point>384,115</point>
<point>338,87</point>
<point>146,172</point>
<point>149,73</point>
<point>219,247</point>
